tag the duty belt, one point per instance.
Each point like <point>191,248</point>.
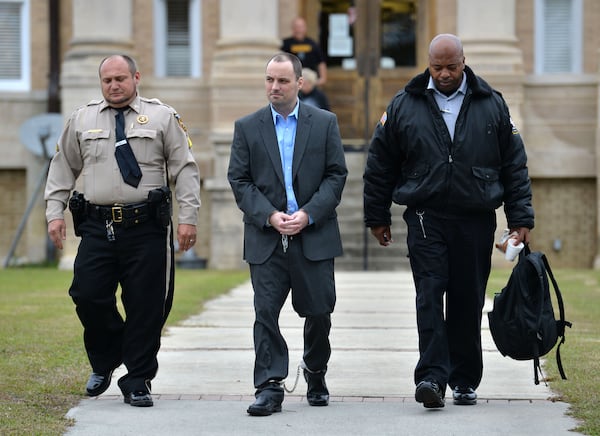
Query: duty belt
<point>126,215</point>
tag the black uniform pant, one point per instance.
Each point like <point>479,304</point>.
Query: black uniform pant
<point>140,260</point>
<point>313,297</point>
<point>450,256</point>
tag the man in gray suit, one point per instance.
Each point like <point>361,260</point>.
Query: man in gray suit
<point>287,171</point>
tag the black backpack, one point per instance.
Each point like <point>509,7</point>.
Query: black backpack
<point>522,320</point>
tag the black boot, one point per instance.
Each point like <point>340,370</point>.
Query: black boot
<point>317,393</point>
<point>269,397</point>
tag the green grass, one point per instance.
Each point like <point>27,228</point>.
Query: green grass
<point>581,351</point>
<point>43,366</point>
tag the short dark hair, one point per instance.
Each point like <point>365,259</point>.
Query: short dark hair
<point>132,65</point>
<point>289,57</point>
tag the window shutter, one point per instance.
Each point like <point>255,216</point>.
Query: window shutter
<point>558,22</point>
<point>178,38</point>
<point>10,41</point>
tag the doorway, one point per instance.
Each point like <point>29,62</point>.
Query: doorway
<point>372,50</point>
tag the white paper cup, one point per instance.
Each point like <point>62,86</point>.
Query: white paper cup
<point>512,251</point>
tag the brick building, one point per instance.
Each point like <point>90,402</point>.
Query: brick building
<point>207,57</point>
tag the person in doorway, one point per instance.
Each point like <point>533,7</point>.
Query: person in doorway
<point>446,147</point>
<point>287,171</point>
<point>306,49</point>
<point>310,93</point>
<point>128,149</point>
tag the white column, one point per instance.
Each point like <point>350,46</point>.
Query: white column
<point>487,30</point>
<point>249,37</point>
<point>98,31</point>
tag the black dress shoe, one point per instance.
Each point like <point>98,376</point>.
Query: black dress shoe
<point>139,399</point>
<point>430,394</point>
<point>317,393</point>
<point>98,383</point>
<point>264,405</point>
<point>464,396</point>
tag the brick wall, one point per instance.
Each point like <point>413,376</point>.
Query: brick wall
<point>13,198</point>
<point>565,211</point>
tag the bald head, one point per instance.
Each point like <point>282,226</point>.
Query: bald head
<point>446,42</point>
<point>446,62</point>
<point>119,79</point>
<point>299,28</point>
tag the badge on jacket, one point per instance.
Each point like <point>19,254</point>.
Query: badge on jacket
<point>515,131</point>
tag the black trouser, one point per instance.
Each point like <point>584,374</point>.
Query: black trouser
<point>141,261</point>
<point>313,297</point>
<point>453,260</point>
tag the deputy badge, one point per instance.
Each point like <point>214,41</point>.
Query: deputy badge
<point>142,119</point>
<point>383,119</point>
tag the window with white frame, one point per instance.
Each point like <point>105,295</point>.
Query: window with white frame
<point>177,37</point>
<point>558,36</point>
<point>14,45</point>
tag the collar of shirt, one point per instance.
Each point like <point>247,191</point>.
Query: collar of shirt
<point>274,113</point>
<point>134,105</point>
<point>450,105</point>
<point>462,89</point>
<point>285,128</point>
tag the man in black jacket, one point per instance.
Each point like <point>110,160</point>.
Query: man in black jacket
<point>446,148</point>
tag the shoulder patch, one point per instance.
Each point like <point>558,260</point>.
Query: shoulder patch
<point>383,119</point>
<point>515,131</point>
<point>180,122</point>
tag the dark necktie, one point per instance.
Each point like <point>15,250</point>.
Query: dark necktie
<point>128,165</point>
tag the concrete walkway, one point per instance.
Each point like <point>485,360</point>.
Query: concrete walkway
<point>204,384</point>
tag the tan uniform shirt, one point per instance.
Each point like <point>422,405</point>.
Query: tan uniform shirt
<point>87,147</point>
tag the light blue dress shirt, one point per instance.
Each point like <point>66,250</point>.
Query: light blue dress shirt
<point>286,135</point>
<point>450,105</point>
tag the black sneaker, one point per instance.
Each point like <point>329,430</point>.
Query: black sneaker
<point>464,396</point>
<point>98,384</point>
<point>138,399</point>
<point>430,394</point>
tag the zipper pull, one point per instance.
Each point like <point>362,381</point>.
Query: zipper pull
<point>420,214</point>
<point>450,160</point>
<point>110,231</point>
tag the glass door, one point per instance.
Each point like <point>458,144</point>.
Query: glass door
<point>373,47</point>
<point>371,50</point>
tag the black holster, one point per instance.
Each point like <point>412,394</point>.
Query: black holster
<point>159,200</point>
<point>77,206</point>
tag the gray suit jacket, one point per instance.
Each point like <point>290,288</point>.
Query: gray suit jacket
<point>318,171</point>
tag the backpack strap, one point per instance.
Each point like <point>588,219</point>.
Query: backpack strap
<point>561,323</point>
<point>537,368</point>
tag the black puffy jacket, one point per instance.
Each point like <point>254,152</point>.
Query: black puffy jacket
<point>413,161</point>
